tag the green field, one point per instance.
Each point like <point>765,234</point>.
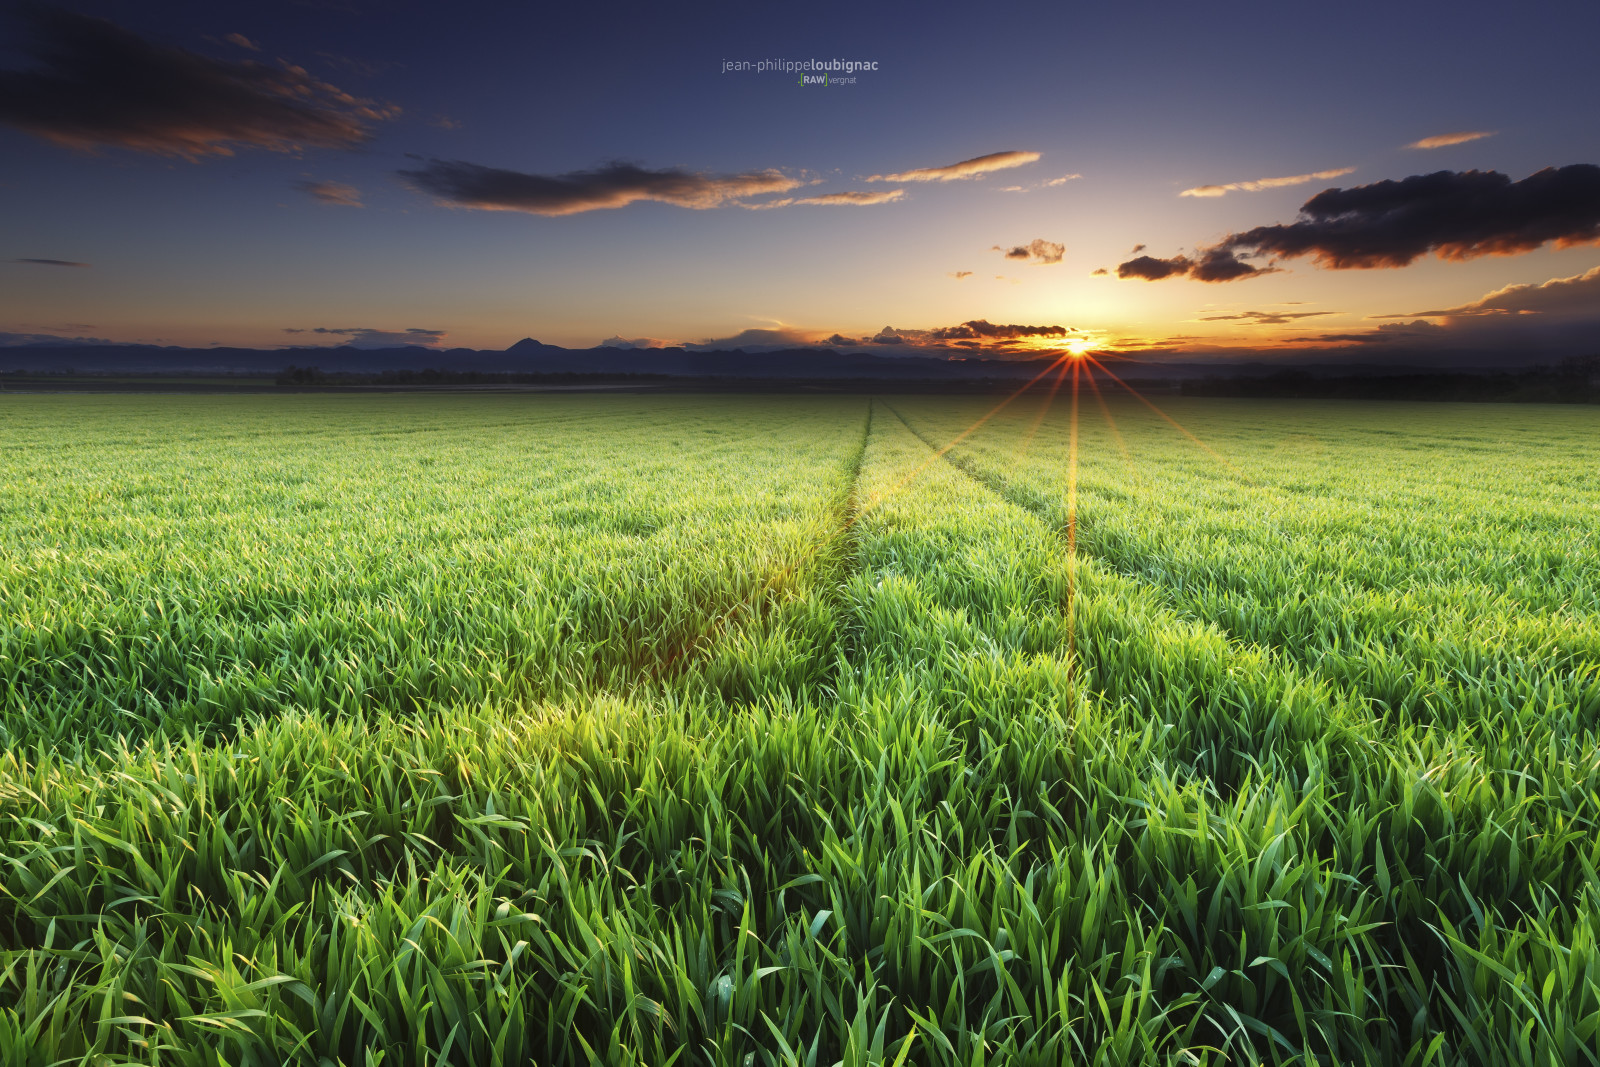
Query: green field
<point>797,730</point>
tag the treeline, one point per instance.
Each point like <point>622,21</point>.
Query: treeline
<point>1573,381</point>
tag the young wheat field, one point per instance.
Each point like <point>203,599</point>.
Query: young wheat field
<point>760,731</point>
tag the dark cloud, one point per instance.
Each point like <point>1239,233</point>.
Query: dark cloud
<point>51,262</point>
<point>459,184</point>
<point>1101,270</point>
<point>1456,215</point>
<point>1136,249</point>
<point>1212,265</point>
<point>977,329</point>
<point>242,41</point>
<point>1389,333</point>
<point>888,336</point>
<point>367,337</point>
<point>98,84</point>
<point>1152,269</point>
<point>1578,295</point>
<point>839,341</point>
<point>960,274</point>
<point>1038,249</point>
<point>1266,318</point>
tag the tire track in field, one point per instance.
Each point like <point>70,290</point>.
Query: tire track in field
<point>760,613</point>
<point>1410,695</point>
<point>1270,656</point>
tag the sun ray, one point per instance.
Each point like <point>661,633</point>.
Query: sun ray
<point>1218,456</point>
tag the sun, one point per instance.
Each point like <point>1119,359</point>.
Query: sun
<point>1078,347</point>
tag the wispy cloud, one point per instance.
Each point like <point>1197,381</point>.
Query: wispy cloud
<point>460,184</point>
<point>1039,250</point>
<point>1265,183</point>
<point>337,193</point>
<point>51,262</point>
<point>854,197</point>
<point>1445,140</point>
<point>368,337</point>
<point>1266,318</point>
<point>958,275</point>
<point>99,84</point>
<point>967,168</point>
<point>242,41</point>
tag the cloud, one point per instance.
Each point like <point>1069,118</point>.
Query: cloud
<point>958,275</point>
<point>854,197</point>
<point>1212,265</point>
<point>967,168</point>
<point>460,184</point>
<point>887,336</point>
<point>333,193</point>
<point>14,340</point>
<point>98,84</point>
<point>635,343</point>
<point>367,337</point>
<point>1578,295</point>
<point>1099,271</point>
<point>1455,215</point>
<point>1064,179</point>
<point>1137,249</point>
<point>51,262</point>
<point>242,41</point>
<point>841,341</point>
<point>1444,140</point>
<point>1265,183</point>
<point>753,340</point>
<point>982,329</point>
<point>1266,318</point>
<point>1039,249</point>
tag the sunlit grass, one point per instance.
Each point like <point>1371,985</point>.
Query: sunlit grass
<point>741,730</point>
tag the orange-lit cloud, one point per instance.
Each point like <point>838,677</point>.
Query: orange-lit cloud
<point>854,197</point>
<point>1265,183</point>
<point>460,184</point>
<point>1444,140</point>
<point>958,275</point>
<point>336,193</point>
<point>99,84</point>
<point>967,168</point>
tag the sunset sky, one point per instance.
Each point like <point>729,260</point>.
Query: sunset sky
<point>265,174</point>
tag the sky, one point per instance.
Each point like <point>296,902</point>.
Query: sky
<point>1155,180</point>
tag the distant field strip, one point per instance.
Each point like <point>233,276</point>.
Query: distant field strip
<point>787,731</point>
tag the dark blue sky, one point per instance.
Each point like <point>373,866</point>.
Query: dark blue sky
<point>1139,102</point>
